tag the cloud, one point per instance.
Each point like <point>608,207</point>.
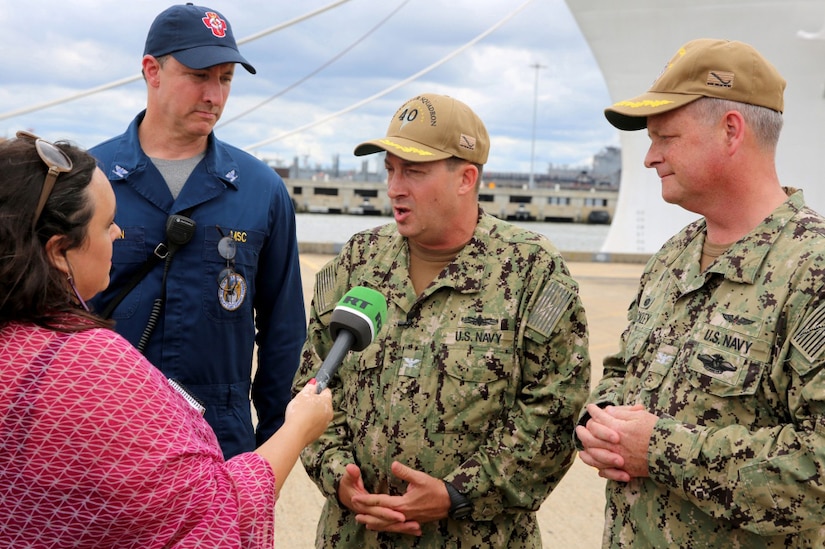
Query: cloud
<point>52,51</point>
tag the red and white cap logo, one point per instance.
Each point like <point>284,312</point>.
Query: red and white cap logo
<point>214,22</point>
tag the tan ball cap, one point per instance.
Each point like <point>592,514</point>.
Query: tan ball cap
<point>432,127</point>
<point>704,68</point>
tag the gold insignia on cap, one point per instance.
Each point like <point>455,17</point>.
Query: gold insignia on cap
<point>642,104</point>
<point>405,149</point>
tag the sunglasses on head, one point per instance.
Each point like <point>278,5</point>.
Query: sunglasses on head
<point>56,160</point>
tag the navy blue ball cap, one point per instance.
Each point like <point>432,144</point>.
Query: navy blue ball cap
<point>197,37</point>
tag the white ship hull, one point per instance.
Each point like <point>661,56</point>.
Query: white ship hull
<point>633,39</point>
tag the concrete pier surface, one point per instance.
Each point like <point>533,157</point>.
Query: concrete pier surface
<point>572,516</point>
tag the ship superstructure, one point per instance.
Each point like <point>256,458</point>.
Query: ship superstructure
<point>632,40</point>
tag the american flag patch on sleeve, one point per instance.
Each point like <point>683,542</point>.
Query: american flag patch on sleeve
<point>809,339</point>
<point>549,307</point>
<point>325,288</point>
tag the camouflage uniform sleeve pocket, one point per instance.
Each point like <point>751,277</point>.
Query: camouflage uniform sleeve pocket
<point>778,500</point>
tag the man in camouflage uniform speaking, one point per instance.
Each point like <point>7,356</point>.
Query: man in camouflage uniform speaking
<point>710,421</point>
<point>453,427</point>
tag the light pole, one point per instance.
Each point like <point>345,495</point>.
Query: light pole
<point>531,184</point>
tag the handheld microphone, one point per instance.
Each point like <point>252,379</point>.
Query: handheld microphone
<point>355,321</point>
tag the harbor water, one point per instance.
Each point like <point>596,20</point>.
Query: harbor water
<point>337,228</point>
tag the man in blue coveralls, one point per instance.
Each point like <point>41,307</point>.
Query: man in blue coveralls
<point>240,270</point>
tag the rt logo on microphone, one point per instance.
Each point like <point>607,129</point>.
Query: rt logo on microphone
<point>362,304</point>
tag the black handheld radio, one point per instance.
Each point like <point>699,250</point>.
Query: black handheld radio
<point>179,231</point>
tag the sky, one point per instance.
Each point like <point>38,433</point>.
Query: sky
<point>325,83</point>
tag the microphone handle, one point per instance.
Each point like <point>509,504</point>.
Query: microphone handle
<point>340,348</point>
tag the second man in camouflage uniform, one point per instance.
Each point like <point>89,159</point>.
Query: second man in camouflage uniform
<point>710,421</point>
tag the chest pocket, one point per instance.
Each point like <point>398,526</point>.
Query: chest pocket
<point>722,372</point>
<point>476,383</point>
<point>128,256</point>
<point>229,301</point>
<point>725,362</point>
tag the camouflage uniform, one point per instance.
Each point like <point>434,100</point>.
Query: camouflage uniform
<point>478,381</point>
<point>731,360</point>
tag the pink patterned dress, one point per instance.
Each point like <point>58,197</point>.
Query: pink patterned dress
<point>97,450</point>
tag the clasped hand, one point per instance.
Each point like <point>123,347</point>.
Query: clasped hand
<point>425,500</point>
<point>616,441</point>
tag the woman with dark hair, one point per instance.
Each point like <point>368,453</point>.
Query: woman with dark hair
<point>97,447</point>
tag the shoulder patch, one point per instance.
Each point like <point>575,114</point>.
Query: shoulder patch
<point>809,338</point>
<point>549,307</point>
<point>324,295</point>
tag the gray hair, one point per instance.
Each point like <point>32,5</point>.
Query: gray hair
<point>766,123</point>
